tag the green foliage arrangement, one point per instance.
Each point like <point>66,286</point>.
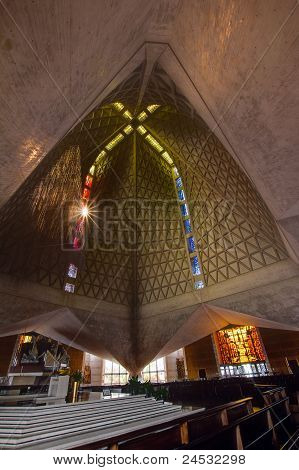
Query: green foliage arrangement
<point>135,387</point>
<point>77,376</point>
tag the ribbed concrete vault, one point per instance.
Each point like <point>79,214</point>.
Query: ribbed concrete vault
<point>135,292</point>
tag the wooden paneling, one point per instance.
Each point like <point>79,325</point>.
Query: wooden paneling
<point>200,355</point>
<point>7,345</point>
<point>76,359</point>
<point>280,344</point>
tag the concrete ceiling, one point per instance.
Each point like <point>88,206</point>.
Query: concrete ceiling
<point>235,62</point>
<point>56,58</point>
<point>242,57</point>
<point>265,298</point>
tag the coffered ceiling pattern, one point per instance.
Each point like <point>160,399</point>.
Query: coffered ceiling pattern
<point>147,260</point>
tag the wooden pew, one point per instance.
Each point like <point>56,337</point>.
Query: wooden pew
<point>264,429</point>
<point>142,423</point>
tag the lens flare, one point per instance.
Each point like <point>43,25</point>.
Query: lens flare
<point>84,211</point>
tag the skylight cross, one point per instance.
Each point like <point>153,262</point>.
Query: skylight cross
<point>136,123</point>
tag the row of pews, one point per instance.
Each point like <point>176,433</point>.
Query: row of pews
<point>268,427</point>
<point>232,426</point>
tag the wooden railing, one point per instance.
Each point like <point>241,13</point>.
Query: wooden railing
<point>273,395</point>
<point>264,429</point>
<point>216,392</point>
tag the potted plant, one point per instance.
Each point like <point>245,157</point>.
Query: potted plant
<point>134,385</point>
<point>148,389</point>
<point>161,394</point>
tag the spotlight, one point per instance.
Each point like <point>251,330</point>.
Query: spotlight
<point>84,211</point>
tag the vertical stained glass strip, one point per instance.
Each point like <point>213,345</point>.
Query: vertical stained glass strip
<point>184,210</point>
<point>187,225</point>
<point>199,284</point>
<point>181,194</point>
<point>86,193</point>
<point>191,244</point>
<point>195,266</point>
<point>69,288</point>
<point>72,271</point>
<point>88,181</point>
<point>179,182</point>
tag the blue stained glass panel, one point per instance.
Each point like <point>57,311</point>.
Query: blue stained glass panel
<point>69,288</point>
<point>199,284</point>
<point>191,244</point>
<point>195,266</point>
<point>184,210</point>
<point>181,194</point>
<point>179,182</point>
<point>72,271</point>
<point>187,225</point>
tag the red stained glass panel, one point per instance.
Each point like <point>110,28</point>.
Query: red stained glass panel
<point>77,243</point>
<point>86,193</point>
<point>240,345</point>
<point>88,181</point>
